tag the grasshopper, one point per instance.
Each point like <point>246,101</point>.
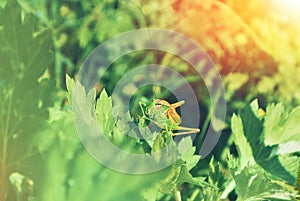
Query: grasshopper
<point>164,115</point>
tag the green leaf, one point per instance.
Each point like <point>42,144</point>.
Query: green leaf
<point>185,144</point>
<point>26,92</point>
<point>150,194</point>
<point>73,174</point>
<point>83,104</point>
<point>253,130</point>
<point>178,175</point>
<point>217,181</point>
<point>274,120</point>
<point>167,184</point>
<point>188,153</point>
<point>70,86</point>
<point>291,131</point>
<point>104,113</point>
<point>159,143</point>
<point>281,126</point>
<point>243,147</point>
<point>59,145</point>
<point>252,183</point>
<point>216,177</point>
<point>24,57</point>
<point>190,158</point>
<point>186,177</point>
<point>298,179</point>
<point>288,148</point>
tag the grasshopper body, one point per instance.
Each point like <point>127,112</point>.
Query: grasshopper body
<point>164,115</point>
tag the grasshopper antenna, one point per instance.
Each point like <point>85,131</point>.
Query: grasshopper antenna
<point>151,41</point>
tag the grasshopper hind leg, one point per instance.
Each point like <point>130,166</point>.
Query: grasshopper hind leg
<point>185,130</point>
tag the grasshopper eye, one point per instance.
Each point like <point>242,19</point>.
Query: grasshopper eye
<point>158,105</point>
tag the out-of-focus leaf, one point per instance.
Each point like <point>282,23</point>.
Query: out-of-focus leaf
<point>266,85</point>
<point>233,82</point>
<point>26,92</point>
<point>17,179</point>
<point>150,194</point>
<point>70,86</point>
<point>230,43</point>
<point>24,56</point>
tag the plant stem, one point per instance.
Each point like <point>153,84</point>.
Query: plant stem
<point>194,195</point>
<point>298,180</point>
<point>207,120</point>
<point>205,125</point>
<point>4,151</point>
<point>18,196</point>
<point>177,194</point>
<point>3,173</point>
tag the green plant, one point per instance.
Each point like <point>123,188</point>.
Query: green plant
<point>26,93</point>
<point>167,180</point>
<point>41,155</point>
<point>266,146</point>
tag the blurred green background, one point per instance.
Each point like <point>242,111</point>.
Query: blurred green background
<point>255,46</point>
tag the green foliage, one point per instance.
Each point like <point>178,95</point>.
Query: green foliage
<point>298,179</point>
<point>179,172</point>
<point>257,156</point>
<point>163,181</point>
<point>72,174</point>
<point>281,126</point>
<point>26,92</point>
<point>41,155</point>
<point>104,111</point>
<point>252,183</point>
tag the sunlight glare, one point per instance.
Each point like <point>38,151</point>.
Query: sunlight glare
<point>288,5</point>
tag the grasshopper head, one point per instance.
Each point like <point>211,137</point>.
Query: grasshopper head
<point>160,103</point>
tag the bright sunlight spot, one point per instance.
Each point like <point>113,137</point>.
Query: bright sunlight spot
<point>288,5</point>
